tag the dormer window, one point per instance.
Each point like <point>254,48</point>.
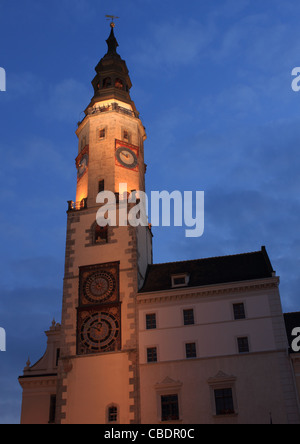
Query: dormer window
<point>180,280</point>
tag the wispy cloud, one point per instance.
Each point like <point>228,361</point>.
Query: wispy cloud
<point>173,44</point>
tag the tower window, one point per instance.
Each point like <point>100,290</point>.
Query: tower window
<point>107,82</point>
<point>101,234</point>
<point>101,186</point>
<point>52,409</point>
<point>113,414</point>
<point>83,142</point>
<point>57,357</point>
<point>119,84</point>
<point>102,133</point>
<point>126,135</point>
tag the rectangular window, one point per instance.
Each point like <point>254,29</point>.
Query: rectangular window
<point>169,408</point>
<point>180,280</point>
<point>188,317</point>
<point>243,345</point>
<point>112,414</point>
<point>224,402</point>
<point>83,143</point>
<point>151,354</point>
<point>57,356</point>
<point>190,350</point>
<point>239,311</point>
<point>151,321</point>
<point>101,186</point>
<point>126,135</point>
<point>102,134</point>
<point>52,409</point>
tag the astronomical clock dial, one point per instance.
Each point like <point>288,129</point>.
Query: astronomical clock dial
<point>99,310</point>
<point>99,332</point>
<point>99,287</point>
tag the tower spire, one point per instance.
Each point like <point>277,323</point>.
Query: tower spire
<point>112,79</point>
<point>112,42</point>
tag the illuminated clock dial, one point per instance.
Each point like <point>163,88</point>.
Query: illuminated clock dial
<point>98,332</point>
<point>83,164</point>
<point>126,157</point>
<point>99,287</point>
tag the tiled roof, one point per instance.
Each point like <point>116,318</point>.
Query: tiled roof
<point>210,271</point>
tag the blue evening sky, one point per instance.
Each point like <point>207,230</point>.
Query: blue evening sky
<point>212,81</point>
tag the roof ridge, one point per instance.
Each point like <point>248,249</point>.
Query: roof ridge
<point>206,258</point>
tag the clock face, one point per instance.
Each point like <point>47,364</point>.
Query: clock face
<point>82,167</point>
<point>99,310</point>
<point>99,287</point>
<point>99,332</point>
<point>126,157</point>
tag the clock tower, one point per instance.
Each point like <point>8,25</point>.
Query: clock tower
<point>105,267</point>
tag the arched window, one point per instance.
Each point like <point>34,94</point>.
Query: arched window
<point>119,84</point>
<point>107,82</point>
<point>100,234</point>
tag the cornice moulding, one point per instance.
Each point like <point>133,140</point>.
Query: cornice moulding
<point>208,290</point>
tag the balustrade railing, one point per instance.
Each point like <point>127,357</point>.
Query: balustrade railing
<point>111,107</point>
<point>77,206</point>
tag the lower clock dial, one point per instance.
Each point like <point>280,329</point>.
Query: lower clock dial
<point>99,332</point>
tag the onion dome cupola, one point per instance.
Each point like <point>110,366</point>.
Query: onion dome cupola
<point>112,80</point>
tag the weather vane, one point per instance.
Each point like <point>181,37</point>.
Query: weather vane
<point>112,18</point>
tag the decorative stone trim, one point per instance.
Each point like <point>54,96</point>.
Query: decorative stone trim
<point>207,291</point>
<point>38,381</point>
